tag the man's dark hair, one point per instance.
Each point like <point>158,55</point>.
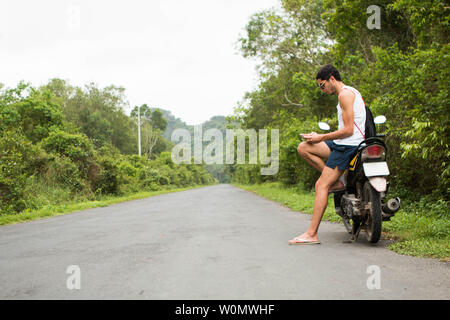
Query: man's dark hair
<point>327,71</point>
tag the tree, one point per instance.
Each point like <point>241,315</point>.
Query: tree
<point>98,113</point>
<point>152,125</point>
<point>157,120</point>
<point>289,44</point>
<point>35,111</point>
<point>155,117</point>
<point>150,137</point>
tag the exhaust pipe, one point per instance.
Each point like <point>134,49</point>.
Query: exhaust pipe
<point>392,206</point>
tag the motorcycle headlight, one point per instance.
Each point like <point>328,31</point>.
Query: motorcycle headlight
<point>375,151</point>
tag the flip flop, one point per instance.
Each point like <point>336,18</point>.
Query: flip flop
<point>298,240</point>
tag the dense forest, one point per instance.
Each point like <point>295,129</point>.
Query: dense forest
<point>60,143</point>
<point>400,66</point>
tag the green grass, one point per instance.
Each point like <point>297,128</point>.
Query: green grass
<point>420,229</point>
<point>50,210</point>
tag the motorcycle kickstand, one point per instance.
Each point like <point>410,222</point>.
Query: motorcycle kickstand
<point>352,239</point>
<point>355,236</point>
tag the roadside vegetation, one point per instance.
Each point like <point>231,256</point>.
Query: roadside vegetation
<point>65,148</point>
<point>402,71</point>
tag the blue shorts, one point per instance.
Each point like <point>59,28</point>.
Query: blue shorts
<point>340,155</point>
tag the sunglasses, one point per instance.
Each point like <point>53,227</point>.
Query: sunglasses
<point>322,85</point>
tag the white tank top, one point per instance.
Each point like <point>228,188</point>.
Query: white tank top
<point>359,113</point>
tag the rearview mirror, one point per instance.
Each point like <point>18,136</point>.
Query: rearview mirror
<point>324,126</point>
<point>379,119</point>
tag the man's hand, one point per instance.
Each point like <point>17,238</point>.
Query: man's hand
<point>313,137</point>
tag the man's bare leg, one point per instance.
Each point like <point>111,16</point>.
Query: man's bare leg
<point>314,155</point>
<point>326,180</point>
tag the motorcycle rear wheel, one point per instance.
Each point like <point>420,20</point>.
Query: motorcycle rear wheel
<point>372,223</point>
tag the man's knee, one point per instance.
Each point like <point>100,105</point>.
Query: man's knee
<point>322,184</point>
<point>302,149</point>
<point>319,184</point>
<point>327,178</point>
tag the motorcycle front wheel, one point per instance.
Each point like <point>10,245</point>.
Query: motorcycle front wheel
<point>372,223</point>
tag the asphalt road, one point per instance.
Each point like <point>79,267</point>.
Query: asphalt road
<point>217,242</point>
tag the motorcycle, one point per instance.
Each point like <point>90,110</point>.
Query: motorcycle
<point>362,205</point>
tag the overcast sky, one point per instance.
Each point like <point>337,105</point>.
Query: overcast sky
<point>178,55</point>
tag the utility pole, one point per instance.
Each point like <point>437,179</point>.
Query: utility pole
<point>139,129</point>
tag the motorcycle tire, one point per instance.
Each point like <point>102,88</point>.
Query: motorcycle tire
<point>373,221</point>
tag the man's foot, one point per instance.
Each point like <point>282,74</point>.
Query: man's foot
<point>304,239</point>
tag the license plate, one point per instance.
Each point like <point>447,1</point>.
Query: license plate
<point>374,169</point>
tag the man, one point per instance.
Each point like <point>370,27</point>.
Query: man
<point>336,147</point>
